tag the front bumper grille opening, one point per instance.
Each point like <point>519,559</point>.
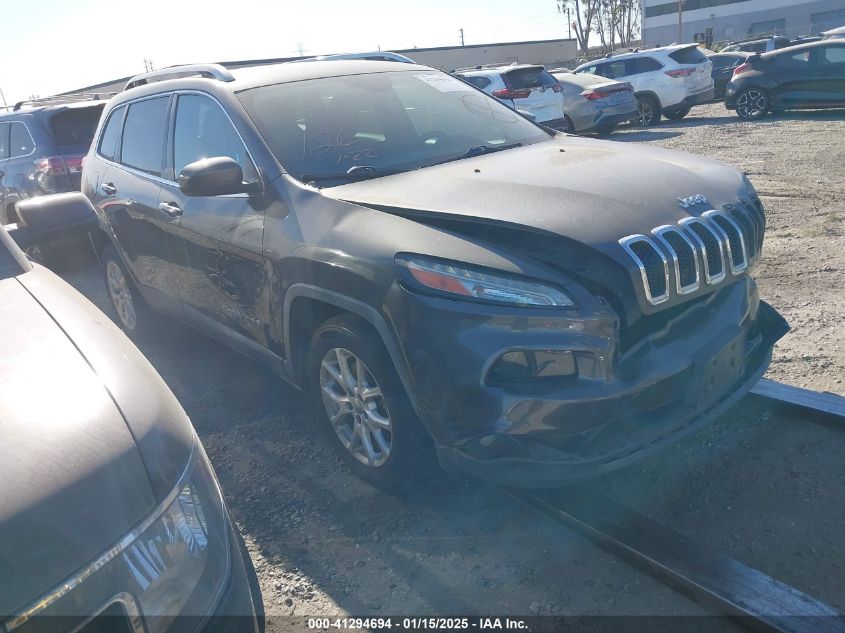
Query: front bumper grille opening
<point>683,255</point>
<point>711,249</point>
<point>735,240</point>
<point>653,266</point>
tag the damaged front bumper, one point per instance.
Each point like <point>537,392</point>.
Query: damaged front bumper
<point>622,407</point>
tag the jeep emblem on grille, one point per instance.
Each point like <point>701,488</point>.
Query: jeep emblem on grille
<point>686,203</point>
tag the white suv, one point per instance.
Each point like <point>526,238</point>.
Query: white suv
<point>525,87</point>
<point>668,80</point>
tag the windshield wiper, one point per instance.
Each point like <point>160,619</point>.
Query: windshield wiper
<point>353,174</point>
<point>478,150</point>
<point>475,150</point>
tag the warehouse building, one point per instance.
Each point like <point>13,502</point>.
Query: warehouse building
<point>729,20</point>
<point>547,52</point>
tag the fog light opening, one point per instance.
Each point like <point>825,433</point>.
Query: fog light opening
<point>532,366</point>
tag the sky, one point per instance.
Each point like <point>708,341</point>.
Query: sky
<point>52,46</point>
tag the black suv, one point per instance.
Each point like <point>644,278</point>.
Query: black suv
<point>431,265</point>
<point>41,149</point>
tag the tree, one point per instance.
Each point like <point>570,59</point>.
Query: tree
<point>586,12</point>
<point>611,20</point>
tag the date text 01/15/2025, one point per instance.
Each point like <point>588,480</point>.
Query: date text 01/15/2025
<point>418,624</point>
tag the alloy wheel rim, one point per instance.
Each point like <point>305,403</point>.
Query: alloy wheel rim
<point>121,296</point>
<point>356,407</point>
<point>646,113</point>
<point>751,103</point>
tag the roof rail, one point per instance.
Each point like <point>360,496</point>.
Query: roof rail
<point>212,71</point>
<point>486,66</point>
<point>61,99</point>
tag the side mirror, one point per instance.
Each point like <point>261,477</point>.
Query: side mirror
<point>47,218</point>
<point>217,176</point>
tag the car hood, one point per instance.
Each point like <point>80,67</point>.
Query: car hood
<point>78,443</point>
<point>591,191</point>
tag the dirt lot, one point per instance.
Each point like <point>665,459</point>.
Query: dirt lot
<point>766,489</point>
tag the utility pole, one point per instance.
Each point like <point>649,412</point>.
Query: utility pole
<point>301,50</point>
<point>569,21</point>
<point>148,65</point>
<point>680,21</point>
<point>462,37</point>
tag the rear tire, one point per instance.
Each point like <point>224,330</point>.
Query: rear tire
<point>134,316</point>
<point>649,111</point>
<point>605,130</point>
<point>676,114</point>
<point>752,104</point>
<point>365,411</point>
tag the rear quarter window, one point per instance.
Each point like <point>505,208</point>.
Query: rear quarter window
<point>689,55</point>
<point>73,129</point>
<point>20,140</point>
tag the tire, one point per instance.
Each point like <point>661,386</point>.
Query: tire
<point>649,111</point>
<point>568,125</point>
<point>752,104</point>
<point>676,114</point>
<point>379,437</point>
<point>134,316</point>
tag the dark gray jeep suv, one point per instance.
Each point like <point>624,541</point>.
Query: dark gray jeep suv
<point>435,268</point>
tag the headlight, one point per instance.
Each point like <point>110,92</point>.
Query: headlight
<point>174,563</point>
<point>462,281</point>
<point>180,563</point>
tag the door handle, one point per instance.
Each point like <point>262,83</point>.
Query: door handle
<point>170,209</point>
<point>108,189</point>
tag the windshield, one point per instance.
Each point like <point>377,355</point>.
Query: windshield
<point>334,130</point>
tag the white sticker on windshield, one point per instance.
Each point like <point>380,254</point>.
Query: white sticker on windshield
<point>444,83</point>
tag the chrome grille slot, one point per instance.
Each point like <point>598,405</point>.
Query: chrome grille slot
<point>654,268</point>
<point>733,238</point>
<point>709,242</point>
<point>749,231</point>
<point>684,257</point>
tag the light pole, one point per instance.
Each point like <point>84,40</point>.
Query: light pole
<point>680,22</point>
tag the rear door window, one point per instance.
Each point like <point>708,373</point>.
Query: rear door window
<point>639,65</point>
<point>4,140</point>
<point>111,133</point>
<point>20,140</point>
<point>143,135</point>
<point>689,55</point>
<point>73,129</point>
<point>204,131</point>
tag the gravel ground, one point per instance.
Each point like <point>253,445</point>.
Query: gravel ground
<point>764,488</point>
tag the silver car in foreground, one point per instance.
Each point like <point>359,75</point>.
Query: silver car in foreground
<point>595,104</point>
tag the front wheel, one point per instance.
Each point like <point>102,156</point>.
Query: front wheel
<point>676,114</point>
<point>752,104</point>
<point>367,414</point>
<point>648,111</point>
